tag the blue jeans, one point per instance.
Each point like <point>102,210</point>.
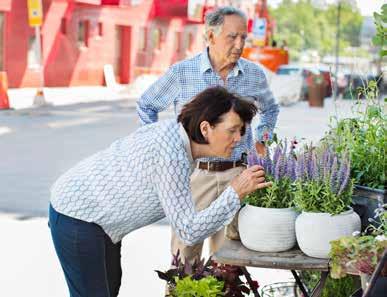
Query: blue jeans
<point>90,261</point>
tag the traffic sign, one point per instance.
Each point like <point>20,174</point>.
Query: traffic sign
<point>35,13</point>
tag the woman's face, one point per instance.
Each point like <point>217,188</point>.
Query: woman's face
<point>223,137</point>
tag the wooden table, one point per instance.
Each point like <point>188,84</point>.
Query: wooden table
<point>234,253</point>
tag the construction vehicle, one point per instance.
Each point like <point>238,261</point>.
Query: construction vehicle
<point>261,47</point>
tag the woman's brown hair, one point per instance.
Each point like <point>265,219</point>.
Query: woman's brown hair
<point>210,105</point>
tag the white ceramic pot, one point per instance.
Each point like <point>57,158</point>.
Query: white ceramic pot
<point>267,229</point>
<point>314,231</point>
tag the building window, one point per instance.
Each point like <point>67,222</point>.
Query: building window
<point>83,34</point>
<point>1,41</point>
<point>178,41</point>
<point>63,26</point>
<point>143,39</point>
<point>100,29</point>
<point>156,38</point>
<point>32,55</point>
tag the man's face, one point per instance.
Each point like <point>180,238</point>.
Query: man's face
<point>227,46</point>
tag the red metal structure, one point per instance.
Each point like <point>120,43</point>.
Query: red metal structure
<point>263,49</point>
<point>79,37</point>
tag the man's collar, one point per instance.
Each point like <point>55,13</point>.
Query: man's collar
<point>205,64</point>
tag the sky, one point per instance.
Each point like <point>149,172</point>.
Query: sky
<point>367,7</point>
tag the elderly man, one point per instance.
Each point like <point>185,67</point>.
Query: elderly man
<point>220,64</point>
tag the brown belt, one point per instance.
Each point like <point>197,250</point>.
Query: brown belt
<point>219,165</point>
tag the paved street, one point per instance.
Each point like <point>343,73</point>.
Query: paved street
<point>37,145</point>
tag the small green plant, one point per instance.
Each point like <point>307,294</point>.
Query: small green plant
<point>360,251</point>
<point>206,287</point>
<point>363,138</point>
<point>323,183</point>
<point>228,275</point>
<point>343,287</point>
<point>280,170</point>
<point>380,38</point>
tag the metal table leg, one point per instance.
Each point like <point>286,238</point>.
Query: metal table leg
<point>299,283</point>
<point>250,281</point>
<point>320,285</point>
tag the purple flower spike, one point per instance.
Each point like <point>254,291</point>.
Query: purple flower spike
<point>277,169</point>
<point>291,168</point>
<point>277,154</point>
<point>345,181</point>
<point>252,159</point>
<point>268,164</point>
<point>314,169</point>
<point>333,179</point>
<point>300,168</point>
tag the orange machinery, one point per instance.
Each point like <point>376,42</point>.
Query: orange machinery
<point>257,48</point>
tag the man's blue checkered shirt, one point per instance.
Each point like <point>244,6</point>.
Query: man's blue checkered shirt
<point>189,77</point>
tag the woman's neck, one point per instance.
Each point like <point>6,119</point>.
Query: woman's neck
<point>199,150</point>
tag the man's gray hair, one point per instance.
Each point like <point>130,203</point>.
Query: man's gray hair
<point>214,20</point>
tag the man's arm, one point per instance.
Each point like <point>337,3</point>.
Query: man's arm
<point>268,109</point>
<point>158,97</point>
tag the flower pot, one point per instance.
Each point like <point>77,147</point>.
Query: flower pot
<point>267,229</point>
<point>379,289</point>
<point>365,201</point>
<point>314,231</point>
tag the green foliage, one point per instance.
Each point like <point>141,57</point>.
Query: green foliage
<point>381,31</point>
<point>305,26</point>
<point>190,273</point>
<point>206,287</point>
<point>314,196</point>
<point>333,287</point>
<point>362,252</point>
<point>279,195</point>
<point>363,138</point>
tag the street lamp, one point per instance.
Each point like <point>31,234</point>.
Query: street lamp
<point>335,91</point>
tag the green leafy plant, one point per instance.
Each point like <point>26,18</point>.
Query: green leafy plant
<point>380,37</point>
<point>229,275</point>
<point>361,251</point>
<point>323,183</point>
<point>280,170</point>
<point>363,138</point>
<point>343,287</point>
<point>205,287</point>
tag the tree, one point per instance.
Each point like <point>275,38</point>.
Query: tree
<point>305,26</point>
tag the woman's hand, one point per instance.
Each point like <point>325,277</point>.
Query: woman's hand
<point>251,179</point>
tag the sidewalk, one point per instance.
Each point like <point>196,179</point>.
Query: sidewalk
<point>24,97</point>
<point>29,267</point>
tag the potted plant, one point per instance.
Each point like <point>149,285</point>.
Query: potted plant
<point>266,222</point>
<point>323,195</point>
<point>364,138</point>
<point>206,279</point>
<point>361,252</point>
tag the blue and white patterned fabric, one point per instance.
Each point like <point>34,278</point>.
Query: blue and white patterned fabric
<point>189,77</point>
<point>139,180</point>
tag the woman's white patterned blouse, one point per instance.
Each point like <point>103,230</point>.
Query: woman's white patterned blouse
<point>139,180</point>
